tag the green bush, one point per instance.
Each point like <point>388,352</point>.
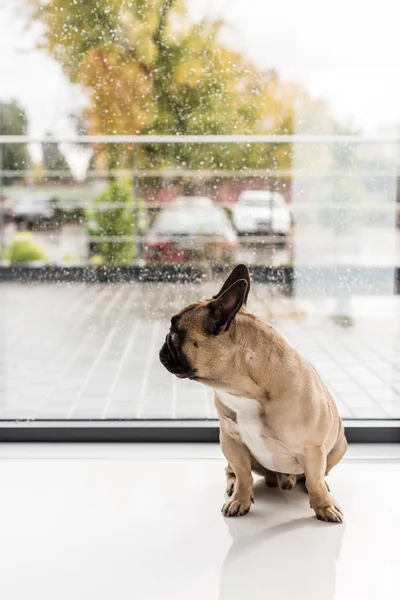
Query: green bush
<point>24,249</point>
<point>97,260</point>
<point>70,257</point>
<point>109,222</point>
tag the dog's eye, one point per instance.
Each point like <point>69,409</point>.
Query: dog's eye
<point>195,344</point>
<point>174,337</point>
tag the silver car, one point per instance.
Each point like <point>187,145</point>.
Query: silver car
<point>261,212</point>
<point>34,208</point>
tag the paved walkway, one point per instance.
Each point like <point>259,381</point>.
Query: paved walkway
<point>87,351</point>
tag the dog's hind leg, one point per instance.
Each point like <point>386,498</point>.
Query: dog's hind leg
<point>230,480</point>
<point>286,482</point>
<point>271,478</point>
<point>282,480</point>
<point>337,453</point>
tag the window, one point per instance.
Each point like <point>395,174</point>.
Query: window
<point>168,155</point>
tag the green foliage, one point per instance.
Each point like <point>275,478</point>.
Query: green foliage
<point>113,222</point>
<point>13,121</point>
<point>70,257</point>
<point>54,160</point>
<point>148,69</point>
<point>74,216</point>
<point>96,260</point>
<point>24,249</point>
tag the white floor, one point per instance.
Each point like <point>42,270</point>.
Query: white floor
<point>84,522</point>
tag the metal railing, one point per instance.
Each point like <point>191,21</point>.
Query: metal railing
<point>205,139</point>
<point>299,173</point>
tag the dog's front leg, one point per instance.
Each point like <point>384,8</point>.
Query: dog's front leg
<point>325,507</point>
<point>239,460</point>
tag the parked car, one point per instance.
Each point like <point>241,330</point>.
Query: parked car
<point>191,229</point>
<point>198,201</point>
<point>261,212</point>
<point>33,209</point>
<point>6,209</point>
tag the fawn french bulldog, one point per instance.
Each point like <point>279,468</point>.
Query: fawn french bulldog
<point>277,417</point>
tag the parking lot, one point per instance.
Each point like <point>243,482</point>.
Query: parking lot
<point>307,245</point>
<point>90,351</point>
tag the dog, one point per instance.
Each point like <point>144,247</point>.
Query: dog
<point>277,418</point>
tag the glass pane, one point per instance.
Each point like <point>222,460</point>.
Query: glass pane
<point>288,167</point>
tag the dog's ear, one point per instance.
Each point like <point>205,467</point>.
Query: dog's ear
<point>224,308</point>
<point>239,272</point>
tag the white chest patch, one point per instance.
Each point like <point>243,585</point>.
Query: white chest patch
<point>248,425</point>
<point>268,451</point>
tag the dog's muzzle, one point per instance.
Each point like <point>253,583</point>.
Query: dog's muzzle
<point>173,360</point>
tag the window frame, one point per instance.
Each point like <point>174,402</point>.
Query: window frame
<point>366,431</point>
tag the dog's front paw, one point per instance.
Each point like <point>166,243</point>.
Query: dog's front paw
<point>237,506</point>
<point>331,513</point>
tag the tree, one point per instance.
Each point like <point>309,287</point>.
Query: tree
<point>54,160</point>
<point>13,121</point>
<point>148,69</point>
<point>113,224</point>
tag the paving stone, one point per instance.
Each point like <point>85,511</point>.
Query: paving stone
<point>347,388</point>
<point>53,411</point>
<point>364,376</point>
<point>86,413</point>
<point>356,401</point>
<point>124,415</point>
<point>392,409</point>
<point>371,413</point>
<point>91,351</point>
<point>14,414</point>
<point>385,394</point>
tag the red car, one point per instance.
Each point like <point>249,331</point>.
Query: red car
<point>6,209</point>
<point>191,229</point>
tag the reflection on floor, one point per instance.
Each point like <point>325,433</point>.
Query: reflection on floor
<point>91,351</point>
<point>144,522</point>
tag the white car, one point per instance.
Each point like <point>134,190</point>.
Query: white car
<point>34,208</point>
<point>194,202</point>
<point>261,212</point>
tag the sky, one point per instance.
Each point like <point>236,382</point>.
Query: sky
<point>344,51</point>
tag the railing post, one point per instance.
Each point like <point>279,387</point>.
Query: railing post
<point>2,204</point>
<point>135,189</point>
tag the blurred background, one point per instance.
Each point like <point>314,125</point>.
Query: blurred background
<point>146,147</point>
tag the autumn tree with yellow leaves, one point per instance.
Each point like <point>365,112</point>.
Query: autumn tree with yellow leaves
<point>147,69</point>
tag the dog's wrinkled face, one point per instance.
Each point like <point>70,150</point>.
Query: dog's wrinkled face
<point>198,341</point>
